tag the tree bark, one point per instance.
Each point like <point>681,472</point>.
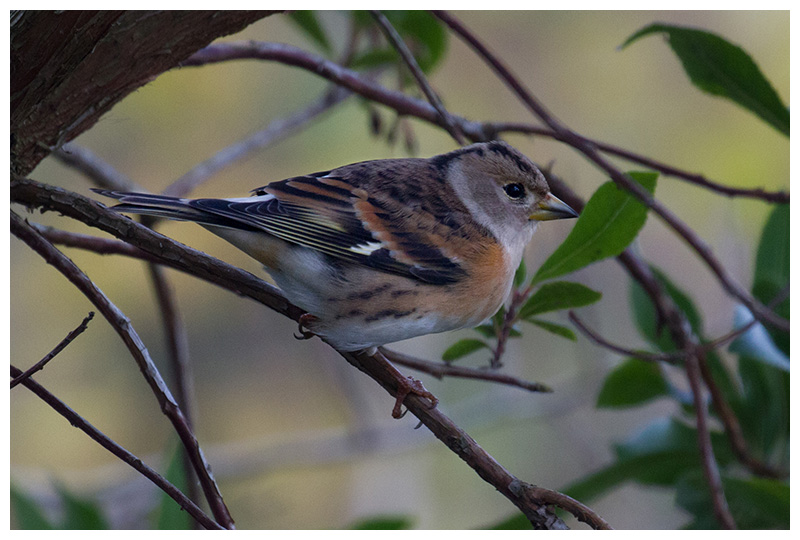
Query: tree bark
<point>69,67</point>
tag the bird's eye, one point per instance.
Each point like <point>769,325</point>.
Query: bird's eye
<point>514,191</point>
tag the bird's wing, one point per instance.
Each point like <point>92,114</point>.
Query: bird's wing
<point>328,213</point>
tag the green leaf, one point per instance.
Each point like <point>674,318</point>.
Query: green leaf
<point>424,34</point>
<point>610,221</point>
<point>755,503</point>
<point>463,348</point>
<point>659,454</point>
<point>26,513</point>
<point>554,328</point>
<point>383,523</point>
<point>558,295</point>
<point>374,58</point>
<point>720,68</point>
<point>520,274</point>
<point>516,522</point>
<point>645,313</point>
<point>633,382</point>
<point>667,465</point>
<point>307,22</point>
<point>764,409</point>
<point>81,514</point>
<point>169,514</point>
<point>772,268</point>
<point>756,342</point>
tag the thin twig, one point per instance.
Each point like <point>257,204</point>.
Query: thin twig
<point>780,197</point>
<point>440,370</point>
<point>382,371</point>
<point>95,244</point>
<point>710,467</point>
<point>179,364</point>
<point>103,174</point>
<point>670,358</point>
<point>576,508</point>
<point>433,98</point>
<point>58,348</point>
<point>274,132</point>
<point>125,330</point>
<point>95,434</point>
<point>588,148</point>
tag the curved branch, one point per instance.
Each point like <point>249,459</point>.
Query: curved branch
<point>587,147</point>
<point>52,354</point>
<point>125,330</point>
<point>780,197</point>
<point>95,434</point>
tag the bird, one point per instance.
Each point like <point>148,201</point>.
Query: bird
<point>381,251</point>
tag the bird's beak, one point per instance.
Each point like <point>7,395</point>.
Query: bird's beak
<point>551,207</point>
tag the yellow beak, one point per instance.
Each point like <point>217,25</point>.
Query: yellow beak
<point>551,207</point>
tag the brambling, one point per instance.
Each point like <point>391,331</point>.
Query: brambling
<point>381,251</point>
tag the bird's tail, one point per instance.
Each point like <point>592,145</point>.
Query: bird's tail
<point>163,206</point>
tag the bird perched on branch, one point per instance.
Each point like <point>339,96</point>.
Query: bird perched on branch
<point>381,251</point>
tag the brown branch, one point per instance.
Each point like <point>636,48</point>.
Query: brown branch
<point>457,440</point>
<point>98,436</point>
<point>57,349</point>
<point>576,508</point>
<point>586,147</point>
<point>400,46</point>
<point>274,132</point>
<point>125,330</point>
<point>684,339</point>
<point>87,162</point>
<point>440,370</point>
<point>710,468</point>
<point>780,197</point>
<point>95,244</point>
<point>669,358</point>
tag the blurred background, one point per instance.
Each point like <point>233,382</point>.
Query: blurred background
<point>296,437</point>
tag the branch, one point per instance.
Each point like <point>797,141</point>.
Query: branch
<point>400,46</point>
<point>780,197</point>
<point>125,330</point>
<point>58,348</point>
<point>95,434</point>
<point>440,370</point>
<point>587,148</point>
<point>87,162</point>
<point>200,265</point>
<point>274,132</point>
<point>457,440</point>
<point>95,244</point>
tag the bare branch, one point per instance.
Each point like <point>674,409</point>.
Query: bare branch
<point>397,42</point>
<point>670,358</point>
<point>587,147</point>
<point>87,162</point>
<point>781,197</point>
<point>440,370</point>
<point>57,349</point>
<point>101,246</point>
<point>576,508</point>
<point>457,440</point>
<point>79,422</point>
<point>125,330</point>
<point>274,132</point>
